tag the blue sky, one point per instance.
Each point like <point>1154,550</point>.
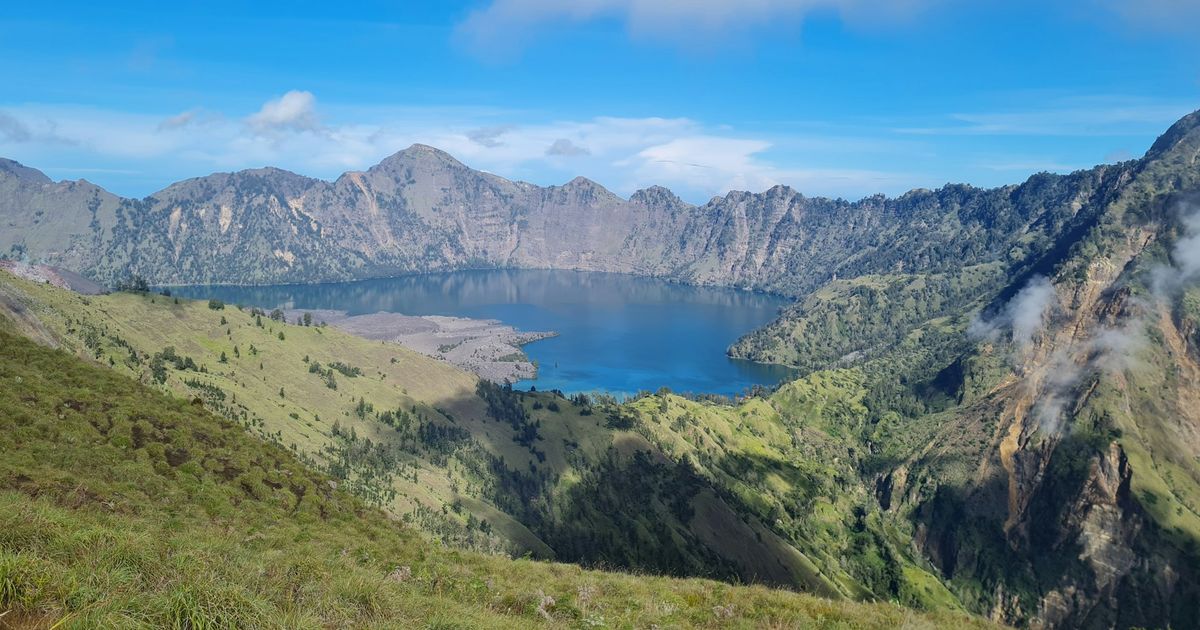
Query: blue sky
<point>833,97</point>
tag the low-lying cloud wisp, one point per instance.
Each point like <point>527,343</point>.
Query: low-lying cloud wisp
<point>1024,315</point>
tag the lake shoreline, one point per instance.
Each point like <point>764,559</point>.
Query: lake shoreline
<point>489,348</point>
<point>617,332</point>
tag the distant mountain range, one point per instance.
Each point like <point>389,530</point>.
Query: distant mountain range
<point>422,210</point>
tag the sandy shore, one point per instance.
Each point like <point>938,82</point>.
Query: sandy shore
<point>486,347</point>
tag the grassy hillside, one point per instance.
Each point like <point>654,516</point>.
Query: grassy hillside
<point>469,464</point>
<point>763,491</point>
<point>124,507</point>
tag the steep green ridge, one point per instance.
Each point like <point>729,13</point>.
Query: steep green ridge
<point>122,507</point>
<point>1037,440</point>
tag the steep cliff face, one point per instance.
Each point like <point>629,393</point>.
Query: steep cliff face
<point>1074,499</point>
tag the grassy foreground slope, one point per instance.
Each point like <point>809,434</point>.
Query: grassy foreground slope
<point>496,470</point>
<point>764,491</point>
<point>123,507</point>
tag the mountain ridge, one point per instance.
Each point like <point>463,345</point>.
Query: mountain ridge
<point>427,211</point>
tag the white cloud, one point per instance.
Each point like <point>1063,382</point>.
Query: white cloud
<point>714,165</point>
<point>1025,314</point>
<point>295,111</point>
<point>565,148</point>
<point>506,25</point>
<point>706,162</point>
<point>1184,268</point>
<point>1027,311</point>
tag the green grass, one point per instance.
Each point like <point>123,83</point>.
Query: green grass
<point>790,461</point>
<point>772,482</point>
<point>250,379</point>
<point>123,507</point>
<point>571,444</point>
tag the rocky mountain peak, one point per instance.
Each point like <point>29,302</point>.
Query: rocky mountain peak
<point>1185,128</point>
<point>417,154</point>
<point>22,172</point>
<point>657,196</point>
<point>781,190</point>
<point>582,182</point>
<point>586,190</point>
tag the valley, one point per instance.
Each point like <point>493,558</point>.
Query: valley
<point>600,314</point>
<point>990,404</point>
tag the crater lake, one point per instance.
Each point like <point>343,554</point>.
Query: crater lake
<point>617,333</point>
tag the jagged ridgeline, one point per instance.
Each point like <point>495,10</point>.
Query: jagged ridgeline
<point>999,407</point>
<point>422,210</point>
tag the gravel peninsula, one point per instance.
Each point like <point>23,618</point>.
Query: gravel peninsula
<point>487,347</point>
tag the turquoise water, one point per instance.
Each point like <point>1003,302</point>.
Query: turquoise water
<point>617,333</point>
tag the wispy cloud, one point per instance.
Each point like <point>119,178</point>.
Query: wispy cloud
<point>182,119</point>
<point>1029,165</point>
<point>719,164</point>
<point>698,159</point>
<point>489,137</point>
<point>1178,16</point>
<point>29,131</point>
<point>13,130</point>
<point>502,29</point>
<point>506,26</point>
<point>1023,317</point>
<point>1108,116</point>
<point>1184,266</point>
